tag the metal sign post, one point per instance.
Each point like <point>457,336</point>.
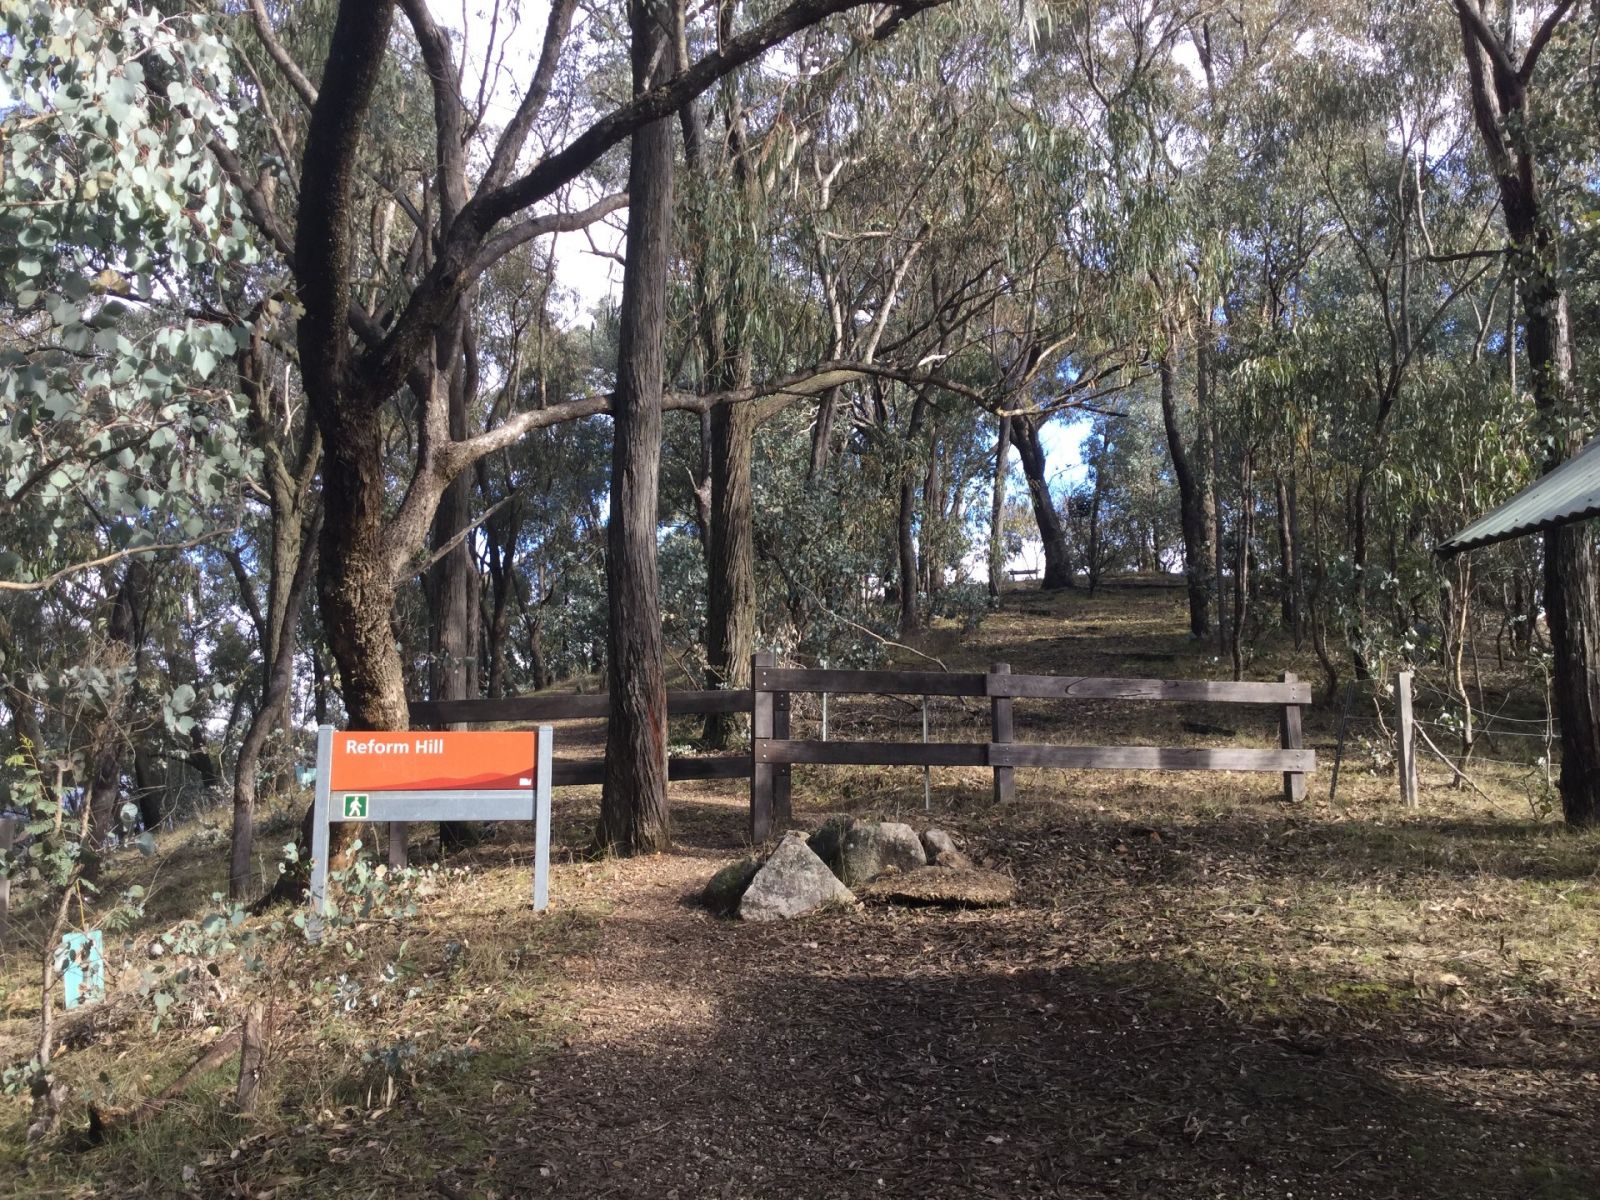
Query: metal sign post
<point>393,777</point>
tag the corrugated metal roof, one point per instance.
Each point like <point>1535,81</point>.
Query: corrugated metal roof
<point>1569,493</point>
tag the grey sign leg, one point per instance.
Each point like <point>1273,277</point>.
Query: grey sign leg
<point>319,834</point>
<point>541,819</point>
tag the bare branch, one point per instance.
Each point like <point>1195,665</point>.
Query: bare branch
<point>508,240</point>
<point>287,67</point>
<point>55,577</point>
<point>516,131</point>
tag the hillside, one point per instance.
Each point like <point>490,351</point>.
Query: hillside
<point>1201,992</point>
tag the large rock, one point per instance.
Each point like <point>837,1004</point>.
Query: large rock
<point>827,843</point>
<point>727,886</point>
<point>792,882</point>
<point>944,886</point>
<point>860,851</point>
<point>942,851</point>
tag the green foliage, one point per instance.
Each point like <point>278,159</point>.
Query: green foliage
<point>121,250</point>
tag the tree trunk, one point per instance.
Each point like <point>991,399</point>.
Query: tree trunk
<point>1498,92</point>
<point>906,557</point>
<point>633,800</point>
<point>1241,568</point>
<point>997,506</point>
<point>125,631</point>
<point>822,435</point>
<point>1288,559</point>
<point>932,524</point>
<point>357,593</point>
<point>1197,564</point>
<point>1094,527</point>
<point>1571,567</point>
<point>280,676</point>
<point>731,611</point>
<point>1052,533</point>
<point>448,587</point>
<point>1211,463</point>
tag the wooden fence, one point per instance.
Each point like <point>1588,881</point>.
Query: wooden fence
<point>772,752</point>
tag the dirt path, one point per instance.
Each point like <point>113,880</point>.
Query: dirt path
<point>1048,1050</point>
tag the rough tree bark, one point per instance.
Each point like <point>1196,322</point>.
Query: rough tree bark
<point>731,580</point>
<point>1499,90</point>
<point>633,800</point>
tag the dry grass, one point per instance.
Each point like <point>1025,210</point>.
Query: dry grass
<point>1202,993</point>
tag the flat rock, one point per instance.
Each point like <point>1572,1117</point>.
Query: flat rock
<point>791,883</point>
<point>942,851</point>
<point>860,851</point>
<point>945,886</point>
<point>728,886</point>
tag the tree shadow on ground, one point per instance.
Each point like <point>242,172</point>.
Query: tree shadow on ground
<point>838,1076</point>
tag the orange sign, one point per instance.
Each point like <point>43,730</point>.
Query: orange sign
<point>431,762</point>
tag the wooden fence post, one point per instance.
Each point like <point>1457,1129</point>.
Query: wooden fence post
<point>1000,731</point>
<point>1289,737</point>
<point>761,723</point>
<point>782,809</point>
<point>1406,743</point>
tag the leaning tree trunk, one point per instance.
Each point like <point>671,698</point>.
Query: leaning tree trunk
<point>1052,533</point>
<point>633,799</point>
<point>1197,563</point>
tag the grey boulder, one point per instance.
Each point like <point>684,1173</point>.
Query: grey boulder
<point>791,883</point>
<point>860,851</point>
<point>728,885</point>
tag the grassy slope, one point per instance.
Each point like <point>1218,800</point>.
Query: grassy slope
<point>1202,993</point>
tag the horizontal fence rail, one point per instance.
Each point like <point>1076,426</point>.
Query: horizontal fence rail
<point>1041,687</point>
<point>568,706</point>
<point>772,752</point>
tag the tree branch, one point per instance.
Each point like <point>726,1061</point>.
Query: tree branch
<point>287,67</point>
<point>39,585</point>
<point>516,131</point>
<point>508,240</point>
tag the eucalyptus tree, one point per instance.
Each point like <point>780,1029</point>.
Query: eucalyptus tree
<point>1504,90</point>
<point>355,360</point>
<point>122,260</point>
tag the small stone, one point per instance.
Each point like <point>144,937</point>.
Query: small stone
<point>791,883</point>
<point>946,887</point>
<point>942,851</point>
<point>727,886</point>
